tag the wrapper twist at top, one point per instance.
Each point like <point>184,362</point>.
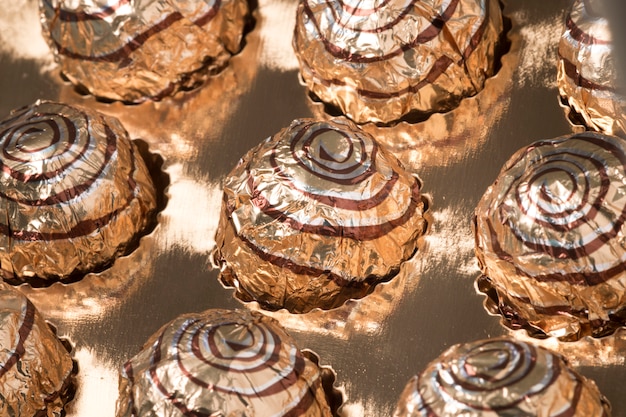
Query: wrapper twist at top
<point>550,236</point>
<point>378,60</point>
<point>500,377</point>
<point>221,362</point>
<point>137,50</point>
<point>74,192</point>
<point>317,214</point>
<point>36,370</point>
<point>587,69</point>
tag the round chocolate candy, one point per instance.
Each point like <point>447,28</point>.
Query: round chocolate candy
<point>380,60</point>
<point>317,214</point>
<point>36,369</point>
<point>550,236</point>
<point>221,362</point>
<point>587,71</point>
<point>500,377</point>
<point>74,192</point>
<point>133,51</point>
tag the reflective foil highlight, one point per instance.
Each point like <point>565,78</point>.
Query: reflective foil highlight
<point>315,215</point>
<point>550,233</point>
<point>380,60</point>
<point>75,192</point>
<point>587,73</point>
<point>221,362</point>
<point>133,51</point>
<point>500,377</point>
<point>35,367</point>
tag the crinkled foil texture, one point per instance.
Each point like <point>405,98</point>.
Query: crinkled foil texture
<point>221,362</point>
<point>315,215</point>
<point>500,377</point>
<point>35,367</point>
<point>550,235</point>
<point>132,51</point>
<point>379,60</point>
<point>587,71</point>
<point>74,192</point>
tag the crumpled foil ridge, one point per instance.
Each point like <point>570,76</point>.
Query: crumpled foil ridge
<point>134,51</point>
<point>317,214</point>
<point>549,236</point>
<point>76,192</point>
<point>226,362</point>
<point>587,75</point>
<point>378,61</point>
<point>36,372</point>
<point>500,376</point>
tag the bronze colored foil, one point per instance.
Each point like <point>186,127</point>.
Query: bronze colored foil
<point>315,215</point>
<point>549,236</point>
<point>75,192</point>
<point>35,367</point>
<point>587,73</point>
<point>500,377</point>
<point>379,61</point>
<point>134,51</point>
<point>221,362</point>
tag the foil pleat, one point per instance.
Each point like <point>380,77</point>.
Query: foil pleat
<point>317,214</point>
<point>221,362</point>
<point>587,71</point>
<point>134,51</point>
<point>35,367</point>
<point>500,377</point>
<point>75,192</point>
<point>550,236</point>
<point>379,61</point>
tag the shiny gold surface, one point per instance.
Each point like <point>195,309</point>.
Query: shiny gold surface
<point>375,345</point>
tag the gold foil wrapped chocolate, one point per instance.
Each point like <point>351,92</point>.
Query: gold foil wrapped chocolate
<point>315,215</point>
<point>133,51</point>
<point>75,192</point>
<point>587,71</point>
<point>500,377</point>
<point>221,362</point>
<point>550,236</point>
<point>381,60</point>
<point>36,369</point>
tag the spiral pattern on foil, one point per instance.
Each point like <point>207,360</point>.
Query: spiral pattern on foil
<point>52,156</point>
<point>500,376</point>
<point>46,145</point>
<point>338,170</point>
<point>562,199</point>
<point>225,361</point>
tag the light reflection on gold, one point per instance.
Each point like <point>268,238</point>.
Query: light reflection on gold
<point>451,239</point>
<point>277,18</point>
<point>191,216</point>
<point>21,36</point>
<point>97,386</point>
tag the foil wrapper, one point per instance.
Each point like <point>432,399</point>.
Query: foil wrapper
<point>134,51</point>
<point>36,369</point>
<point>500,377</point>
<point>221,362</point>
<point>587,70</point>
<point>550,236</point>
<point>315,215</point>
<point>378,61</point>
<point>75,193</point>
